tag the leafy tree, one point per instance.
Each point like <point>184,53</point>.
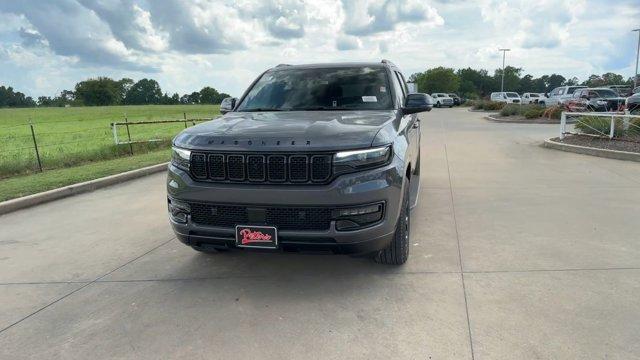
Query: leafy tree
<point>474,83</point>
<point>511,78</point>
<point>11,98</point>
<point>209,95</point>
<point>438,79</point>
<point>98,92</point>
<point>144,92</point>
<point>124,86</point>
<point>606,79</point>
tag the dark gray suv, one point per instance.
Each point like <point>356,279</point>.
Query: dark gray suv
<point>311,157</point>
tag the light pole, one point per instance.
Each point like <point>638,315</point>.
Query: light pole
<point>504,53</point>
<point>635,78</point>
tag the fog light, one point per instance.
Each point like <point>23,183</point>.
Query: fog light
<point>358,210</point>
<point>178,211</point>
<point>357,217</point>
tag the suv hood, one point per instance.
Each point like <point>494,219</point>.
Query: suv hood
<point>286,131</point>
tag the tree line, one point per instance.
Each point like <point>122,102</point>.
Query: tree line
<point>104,91</point>
<point>474,84</point>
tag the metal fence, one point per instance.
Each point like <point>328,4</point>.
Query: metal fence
<point>611,125</point>
<point>40,146</point>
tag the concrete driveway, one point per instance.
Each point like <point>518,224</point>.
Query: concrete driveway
<point>518,252</point>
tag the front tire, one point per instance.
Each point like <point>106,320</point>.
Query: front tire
<point>397,252</point>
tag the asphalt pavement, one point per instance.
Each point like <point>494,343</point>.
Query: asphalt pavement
<point>517,252</point>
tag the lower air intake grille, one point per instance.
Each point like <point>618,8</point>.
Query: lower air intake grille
<point>284,218</point>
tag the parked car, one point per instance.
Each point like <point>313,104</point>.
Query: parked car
<point>595,99</point>
<point>621,90</point>
<point>559,95</point>
<point>315,157</point>
<point>633,104</point>
<point>442,99</point>
<point>456,99</point>
<point>506,97</point>
<point>636,90</point>
<point>531,98</point>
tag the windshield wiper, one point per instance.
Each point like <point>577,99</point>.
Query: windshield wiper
<point>313,108</point>
<point>261,109</point>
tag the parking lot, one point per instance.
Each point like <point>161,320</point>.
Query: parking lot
<point>518,252</point>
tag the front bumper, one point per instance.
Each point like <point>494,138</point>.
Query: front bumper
<point>377,185</point>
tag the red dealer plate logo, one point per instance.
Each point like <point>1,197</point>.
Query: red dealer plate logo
<point>253,236</point>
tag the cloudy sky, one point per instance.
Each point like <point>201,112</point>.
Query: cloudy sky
<point>47,46</point>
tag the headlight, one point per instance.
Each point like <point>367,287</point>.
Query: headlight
<point>180,158</point>
<point>361,159</point>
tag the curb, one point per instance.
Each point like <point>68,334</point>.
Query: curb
<point>482,111</point>
<point>506,121</point>
<point>79,188</point>
<point>611,154</point>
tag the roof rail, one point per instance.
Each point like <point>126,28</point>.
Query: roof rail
<point>385,61</point>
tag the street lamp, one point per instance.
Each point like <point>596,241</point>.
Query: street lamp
<point>504,53</point>
<point>635,78</point>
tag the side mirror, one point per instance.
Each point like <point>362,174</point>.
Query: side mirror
<point>227,105</point>
<point>585,97</point>
<point>416,103</point>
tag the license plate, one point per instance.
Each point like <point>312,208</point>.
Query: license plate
<point>252,236</point>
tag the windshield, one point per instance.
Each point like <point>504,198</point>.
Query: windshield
<point>357,88</point>
<point>570,90</point>
<point>512,95</point>
<point>606,93</point>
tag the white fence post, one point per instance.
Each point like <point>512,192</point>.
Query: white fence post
<point>563,124</point>
<point>613,127</point>
<point>114,127</point>
<point>625,121</point>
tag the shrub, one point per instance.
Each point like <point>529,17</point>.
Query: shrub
<point>487,105</point>
<point>494,105</point>
<point>533,112</point>
<point>634,127</point>
<point>597,125</point>
<point>510,110</point>
<point>553,112</point>
<point>529,111</point>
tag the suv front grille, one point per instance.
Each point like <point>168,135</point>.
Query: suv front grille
<point>268,168</point>
<point>284,218</point>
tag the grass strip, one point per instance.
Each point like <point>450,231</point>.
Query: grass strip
<point>15,187</point>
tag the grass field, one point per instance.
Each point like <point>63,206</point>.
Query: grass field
<point>78,135</point>
<point>18,186</point>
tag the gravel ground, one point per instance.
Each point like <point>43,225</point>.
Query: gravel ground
<point>601,143</point>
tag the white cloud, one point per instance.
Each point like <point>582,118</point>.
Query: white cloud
<point>49,46</point>
<point>347,42</point>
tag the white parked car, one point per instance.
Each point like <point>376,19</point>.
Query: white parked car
<point>442,99</point>
<point>532,98</point>
<point>506,97</point>
<point>559,95</point>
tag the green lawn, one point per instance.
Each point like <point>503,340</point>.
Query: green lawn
<point>30,184</point>
<point>73,136</point>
